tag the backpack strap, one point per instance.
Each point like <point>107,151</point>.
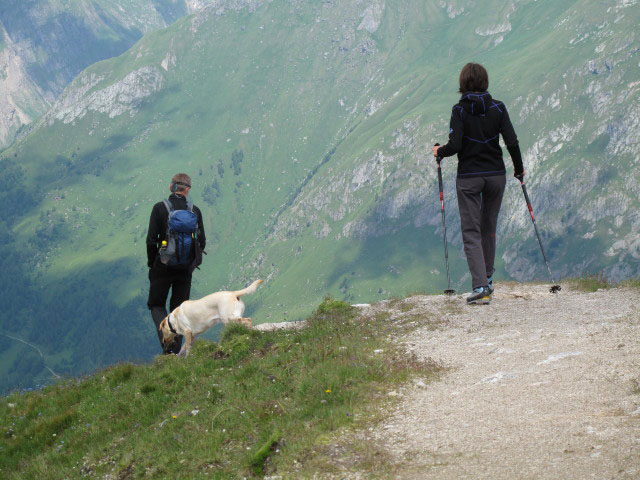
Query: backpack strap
<point>167,204</point>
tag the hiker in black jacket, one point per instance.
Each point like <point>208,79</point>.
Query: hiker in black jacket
<point>477,121</point>
<point>163,277</point>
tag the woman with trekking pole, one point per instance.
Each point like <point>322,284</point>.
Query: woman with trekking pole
<point>477,121</point>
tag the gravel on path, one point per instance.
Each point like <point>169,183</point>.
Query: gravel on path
<point>539,386</point>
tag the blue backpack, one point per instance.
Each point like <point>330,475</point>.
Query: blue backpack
<point>182,229</point>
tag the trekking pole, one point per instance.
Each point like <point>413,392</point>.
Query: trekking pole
<point>449,290</point>
<point>554,288</point>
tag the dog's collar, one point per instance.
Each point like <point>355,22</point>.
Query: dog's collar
<point>169,324</point>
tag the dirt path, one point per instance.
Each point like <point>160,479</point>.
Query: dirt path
<point>539,386</point>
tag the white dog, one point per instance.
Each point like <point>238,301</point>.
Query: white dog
<point>194,317</point>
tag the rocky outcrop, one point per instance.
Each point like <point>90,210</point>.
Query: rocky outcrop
<point>372,17</point>
<point>22,101</point>
<point>452,9</point>
<point>121,97</point>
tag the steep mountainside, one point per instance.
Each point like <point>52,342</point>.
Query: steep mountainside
<point>306,127</point>
<point>44,44</point>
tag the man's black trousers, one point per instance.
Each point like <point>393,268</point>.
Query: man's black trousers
<point>161,280</point>
<point>479,201</point>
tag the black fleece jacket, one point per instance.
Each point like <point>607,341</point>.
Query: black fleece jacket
<point>477,121</point>
<point>158,225</point>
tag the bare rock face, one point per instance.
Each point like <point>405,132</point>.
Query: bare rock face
<point>22,100</point>
<point>221,5</point>
<point>372,17</point>
<point>195,5</point>
<point>118,98</point>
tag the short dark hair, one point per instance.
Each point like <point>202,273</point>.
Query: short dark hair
<point>182,180</point>
<point>473,78</point>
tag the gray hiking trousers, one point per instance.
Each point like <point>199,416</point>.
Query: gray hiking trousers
<point>479,200</point>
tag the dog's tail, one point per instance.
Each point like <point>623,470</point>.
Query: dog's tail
<point>250,289</point>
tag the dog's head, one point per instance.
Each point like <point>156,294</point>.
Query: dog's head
<point>167,334</point>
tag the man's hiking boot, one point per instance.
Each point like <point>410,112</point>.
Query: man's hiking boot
<point>490,285</point>
<point>479,296</point>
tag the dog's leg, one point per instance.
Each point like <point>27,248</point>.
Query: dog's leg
<point>188,341</point>
<point>247,322</point>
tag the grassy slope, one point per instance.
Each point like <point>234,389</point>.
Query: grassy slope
<point>267,74</point>
<point>266,402</point>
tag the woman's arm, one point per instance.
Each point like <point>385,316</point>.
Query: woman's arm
<point>456,132</point>
<point>511,141</point>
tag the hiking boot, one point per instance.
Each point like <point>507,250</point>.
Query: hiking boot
<point>479,296</point>
<point>490,285</point>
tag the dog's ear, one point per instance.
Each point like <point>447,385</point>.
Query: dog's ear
<point>162,323</point>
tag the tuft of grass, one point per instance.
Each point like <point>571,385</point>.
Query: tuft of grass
<point>405,306</point>
<point>630,283</point>
<point>591,283</point>
<point>254,404</point>
<point>330,308</point>
<point>394,301</point>
<point>148,388</point>
<point>121,374</point>
<point>39,435</point>
<point>260,457</point>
